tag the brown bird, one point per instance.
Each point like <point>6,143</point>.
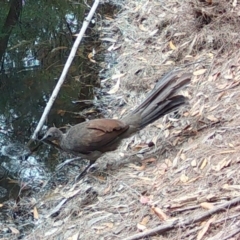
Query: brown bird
<point>93,138</point>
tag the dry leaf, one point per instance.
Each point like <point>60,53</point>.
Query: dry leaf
<point>175,160</point>
<point>144,200</point>
<point>202,232</point>
<point>139,146</point>
<point>111,48</point>
<point>194,179</point>
<point>153,32</point>
<point>61,112</point>
<point>223,163</point>
<point>199,72</point>
<point>123,111</point>
<point>209,1</point>
<point>108,39</point>
<point>149,160</point>
<point>166,133</point>
<point>175,206</point>
<point>211,197</point>
<point>115,88</point>
<point>191,147</point>
<point>169,63</point>
<point>162,216</point>
<point>90,111</point>
<point>208,136</point>
<point>184,178</point>
<point>160,126</point>
<point>145,220</point>
<point>207,205</point>
<point>74,237</point>
<point>212,118</point>
<point>228,76</point>
<point>142,59</point>
<point>109,225</point>
<point>141,27</point>
<point>50,232</point>
<point>138,168</point>
<point>172,46</point>
<point>231,187</point>
<point>90,57</point>
<point>101,227</point>
<point>117,76</point>
<point>162,168</point>
<point>186,199</point>
<point>100,178</point>
<point>181,34</point>
<point>222,86</point>
<point>35,213</point>
<point>228,151</point>
<point>14,230</point>
<point>203,164</point>
<point>58,48</point>
<point>106,190</point>
<point>175,142</point>
<point>154,140</point>
<point>213,108</point>
<point>231,145</point>
<point>70,193</point>
<point>195,113</point>
<point>183,157</point>
<point>168,162</point>
<point>194,163</point>
<point>141,227</point>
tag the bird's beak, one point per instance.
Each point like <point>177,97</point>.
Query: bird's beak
<point>43,138</point>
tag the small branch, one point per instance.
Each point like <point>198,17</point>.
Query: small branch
<point>232,234</point>
<point>65,70</point>
<point>182,223</point>
<point>227,218</point>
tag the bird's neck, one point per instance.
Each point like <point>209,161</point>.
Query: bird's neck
<point>60,136</point>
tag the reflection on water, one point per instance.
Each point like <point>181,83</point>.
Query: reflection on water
<point>24,95</point>
<point>28,169</point>
<point>15,151</point>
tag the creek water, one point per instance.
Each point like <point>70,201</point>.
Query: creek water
<point>24,94</point>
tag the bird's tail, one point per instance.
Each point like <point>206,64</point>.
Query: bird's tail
<point>161,100</point>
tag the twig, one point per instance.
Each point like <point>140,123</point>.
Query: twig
<point>227,218</point>
<point>233,233</point>
<point>190,232</point>
<point>186,209</point>
<point>182,223</point>
<point>65,70</point>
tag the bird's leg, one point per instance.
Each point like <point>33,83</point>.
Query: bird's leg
<point>82,174</point>
<point>61,165</point>
<point>92,157</point>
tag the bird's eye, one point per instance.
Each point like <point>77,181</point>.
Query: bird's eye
<point>49,136</point>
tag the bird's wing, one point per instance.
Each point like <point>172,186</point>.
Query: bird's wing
<point>107,125</point>
<point>103,131</point>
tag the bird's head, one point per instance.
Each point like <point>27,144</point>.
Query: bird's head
<point>53,133</point>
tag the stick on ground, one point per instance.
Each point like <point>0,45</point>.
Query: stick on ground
<point>182,223</point>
